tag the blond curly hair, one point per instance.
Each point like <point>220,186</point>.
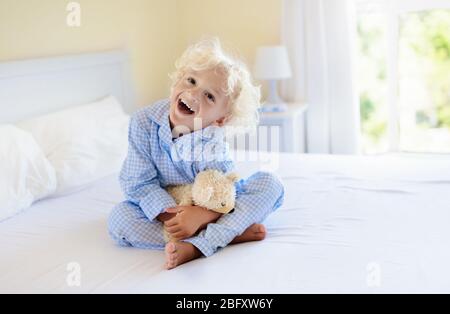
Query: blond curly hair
<point>245,96</point>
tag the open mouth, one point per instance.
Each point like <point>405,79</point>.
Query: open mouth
<point>184,108</point>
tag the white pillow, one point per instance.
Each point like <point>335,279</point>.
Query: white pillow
<point>25,174</point>
<point>83,143</point>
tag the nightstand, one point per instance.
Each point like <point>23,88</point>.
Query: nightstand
<point>291,125</point>
<point>284,130</point>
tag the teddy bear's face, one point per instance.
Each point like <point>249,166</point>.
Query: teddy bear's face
<point>215,191</point>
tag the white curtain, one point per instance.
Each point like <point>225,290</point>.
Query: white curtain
<point>320,36</point>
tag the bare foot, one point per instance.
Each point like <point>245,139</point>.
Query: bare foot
<point>178,253</point>
<point>255,232</point>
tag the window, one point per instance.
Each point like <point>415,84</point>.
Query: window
<point>404,75</point>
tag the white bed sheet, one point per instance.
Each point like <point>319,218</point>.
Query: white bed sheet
<point>348,224</point>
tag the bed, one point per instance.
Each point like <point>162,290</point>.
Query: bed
<point>349,224</point>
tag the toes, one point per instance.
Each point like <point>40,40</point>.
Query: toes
<point>261,232</point>
<point>260,229</point>
<point>171,248</point>
<point>171,263</point>
<point>171,255</point>
<point>261,235</point>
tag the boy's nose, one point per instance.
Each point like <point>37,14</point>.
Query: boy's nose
<point>194,96</point>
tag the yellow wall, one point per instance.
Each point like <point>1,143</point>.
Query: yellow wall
<point>155,32</point>
<point>243,24</point>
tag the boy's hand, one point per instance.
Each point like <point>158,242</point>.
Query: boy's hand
<point>188,221</point>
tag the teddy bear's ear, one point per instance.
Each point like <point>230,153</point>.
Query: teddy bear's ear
<point>205,194</point>
<point>233,177</point>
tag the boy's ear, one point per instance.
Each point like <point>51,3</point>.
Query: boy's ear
<point>220,122</point>
<point>223,120</point>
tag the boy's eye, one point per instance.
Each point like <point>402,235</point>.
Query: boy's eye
<point>191,80</point>
<point>210,97</point>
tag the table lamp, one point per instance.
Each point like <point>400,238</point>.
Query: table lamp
<point>272,64</point>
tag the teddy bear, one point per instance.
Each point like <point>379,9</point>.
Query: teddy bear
<point>211,189</point>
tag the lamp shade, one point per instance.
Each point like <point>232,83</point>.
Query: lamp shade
<point>272,63</point>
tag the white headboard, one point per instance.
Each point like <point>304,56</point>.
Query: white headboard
<point>34,87</point>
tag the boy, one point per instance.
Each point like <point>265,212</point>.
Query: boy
<point>211,91</point>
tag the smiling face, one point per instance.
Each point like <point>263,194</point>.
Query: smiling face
<point>199,95</point>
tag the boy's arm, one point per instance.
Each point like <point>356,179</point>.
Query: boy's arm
<point>139,178</point>
<point>189,220</point>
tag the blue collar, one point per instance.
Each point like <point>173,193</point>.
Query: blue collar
<point>159,113</point>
